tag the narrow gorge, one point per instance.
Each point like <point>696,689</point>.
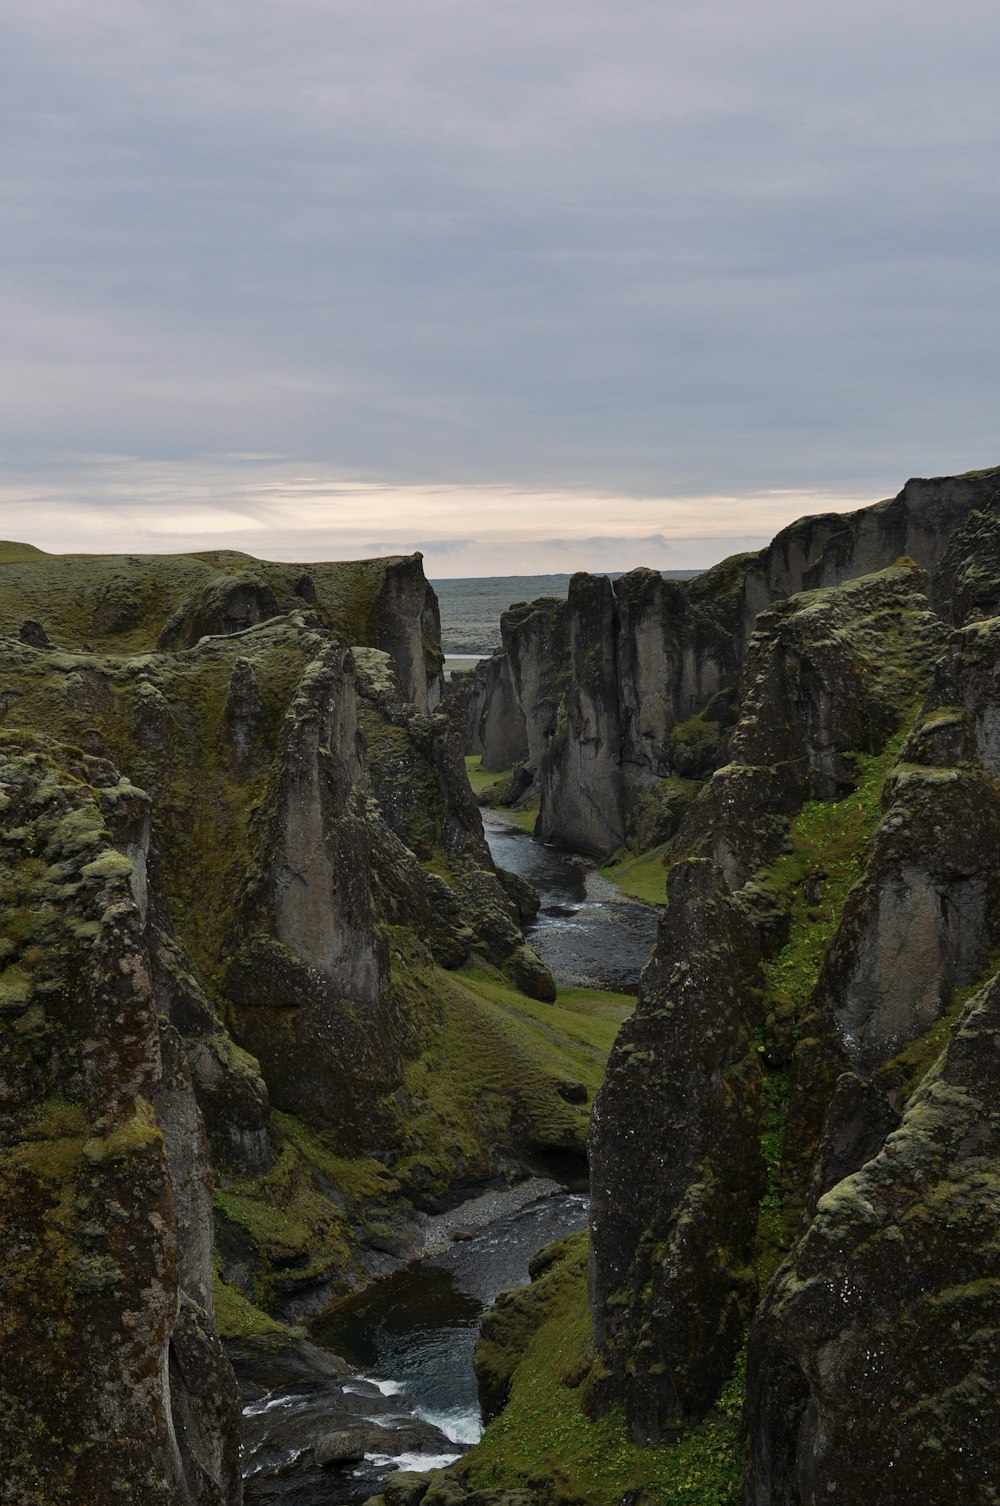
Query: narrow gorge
<point>271,1025</point>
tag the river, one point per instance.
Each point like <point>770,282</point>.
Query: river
<point>589,932</point>
<point>409,1339</point>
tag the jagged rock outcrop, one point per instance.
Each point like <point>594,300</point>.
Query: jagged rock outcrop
<point>967,581</point>
<point>633,707</point>
<point>294,941</point>
<point>874,1360</point>
<point>582,790</point>
<point>495,723</point>
<point>919,926</point>
<point>514,704</point>
<point>828,676</point>
<point>676,1169</point>
<point>111,1373</point>
<point>307,936</point>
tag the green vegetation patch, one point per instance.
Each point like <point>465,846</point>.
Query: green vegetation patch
<point>823,859</point>
<point>543,1440</point>
<point>303,1216</point>
<point>643,876</point>
<point>489,1075</point>
<point>489,787</point>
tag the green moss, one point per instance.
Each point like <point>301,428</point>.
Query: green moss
<point>238,1318</point>
<point>490,1071</point>
<point>642,876</point>
<point>823,858</point>
<point>543,1436</point>
<point>483,780</point>
<point>304,1215</point>
<point>693,745</point>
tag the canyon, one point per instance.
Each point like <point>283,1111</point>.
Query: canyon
<point>268,1008</point>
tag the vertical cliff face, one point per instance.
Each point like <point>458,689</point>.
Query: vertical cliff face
<point>582,792</point>
<point>892,1153</point>
<point>874,1358</point>
<point>676,1168</point>
<point>405,622</point>
<point>643,700</point>
<point>106,1234</point>
<point>308,983</point>
<point>673,1244</point>
<point>496,726</point>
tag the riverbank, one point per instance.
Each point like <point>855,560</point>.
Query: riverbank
<point>384,1383</point>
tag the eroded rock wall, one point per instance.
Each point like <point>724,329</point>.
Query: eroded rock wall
<point>111,1373</point>
<point>676,1168</point>
<point>874,1359</point>
<point>673,1249</point>
<point>632,709</point>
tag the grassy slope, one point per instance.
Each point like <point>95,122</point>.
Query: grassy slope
<point>642,876</point>
<point>490,1067</point>
<point>484,782</point>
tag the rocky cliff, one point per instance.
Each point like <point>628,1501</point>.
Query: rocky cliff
<point>640,675</point>
<point>791,1291</point>
<point>237,1061</point>
<point>113,1379</point>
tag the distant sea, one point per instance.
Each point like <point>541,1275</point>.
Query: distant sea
<point>471,607</point>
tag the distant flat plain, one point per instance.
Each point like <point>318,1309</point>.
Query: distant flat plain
<point>471,607</point>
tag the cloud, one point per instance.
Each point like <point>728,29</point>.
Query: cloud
<point>643,249</point>
<point>286,509</point>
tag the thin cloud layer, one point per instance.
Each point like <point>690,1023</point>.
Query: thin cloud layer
<point>660,249</point>
<point>275,510</point>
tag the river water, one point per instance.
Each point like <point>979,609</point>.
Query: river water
<point>418,1329</point>
<point>590,934</point>
<point>410,1338</point>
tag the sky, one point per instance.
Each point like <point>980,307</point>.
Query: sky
<point>528,286</point>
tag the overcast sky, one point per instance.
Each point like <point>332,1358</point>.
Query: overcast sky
<point>530,286</point>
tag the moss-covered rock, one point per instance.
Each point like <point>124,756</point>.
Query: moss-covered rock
<point>874,1357</point>
<point>111,1375</point>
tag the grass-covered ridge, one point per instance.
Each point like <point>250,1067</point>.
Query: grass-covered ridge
<point>123,602</point>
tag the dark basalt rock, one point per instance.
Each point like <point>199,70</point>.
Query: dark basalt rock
<point>495,724</point>
<point>582,794</point>
<point>874,1357</point>
<point>33,634</point>
<point>106,1239</point>
<point>827,674</point>
<point>919,926</point>
<point>630,708</point>
<point>676,1170</point>
<point>244,718</point>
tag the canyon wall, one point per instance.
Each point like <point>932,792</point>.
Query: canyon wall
<point>640,675</point>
